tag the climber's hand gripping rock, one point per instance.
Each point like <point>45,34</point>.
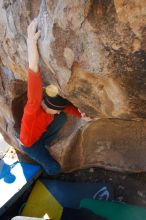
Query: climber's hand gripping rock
<point>32,38</point>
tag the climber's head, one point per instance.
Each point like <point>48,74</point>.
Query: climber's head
<point>52,102</point>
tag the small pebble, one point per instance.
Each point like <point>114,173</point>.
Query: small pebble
<point>91,170</point>
<point>140,194</point>
<point>120,198</point>
<point>123,177</point>
<point>121,187</point>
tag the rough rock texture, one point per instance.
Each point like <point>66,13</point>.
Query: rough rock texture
<point>110,143</point>
<point>95,52</point>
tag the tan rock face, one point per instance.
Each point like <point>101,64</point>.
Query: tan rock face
<point>94,51</point>
<point>111,143</point>
<point>133,12</point>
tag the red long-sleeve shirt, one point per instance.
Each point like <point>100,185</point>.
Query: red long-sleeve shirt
<point>35,120</point>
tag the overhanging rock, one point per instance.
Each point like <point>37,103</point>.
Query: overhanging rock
<point>95,53</point>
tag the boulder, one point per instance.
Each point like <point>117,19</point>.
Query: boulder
<point>113,144</point>
<point>95,53</point>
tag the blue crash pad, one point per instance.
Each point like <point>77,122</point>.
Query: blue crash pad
<point>69,194</point>
<point>14,180</point>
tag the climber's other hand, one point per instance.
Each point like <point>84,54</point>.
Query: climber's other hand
<point>85,117</point>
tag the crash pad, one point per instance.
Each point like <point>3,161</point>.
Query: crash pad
<point>15,178</point>
<point>69,194</point>
<point>41,202</point>
<point>114,210</point>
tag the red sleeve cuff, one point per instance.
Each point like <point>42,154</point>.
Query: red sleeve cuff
<point>30,71</point>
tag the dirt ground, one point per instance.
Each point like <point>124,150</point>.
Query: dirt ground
<point>129,188</point>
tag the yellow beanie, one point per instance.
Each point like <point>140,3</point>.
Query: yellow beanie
<point>51,90</point>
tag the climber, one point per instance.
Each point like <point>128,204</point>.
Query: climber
<point>44,113</point>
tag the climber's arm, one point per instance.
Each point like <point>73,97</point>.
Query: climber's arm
<point>71,109</point>
<point>34,92</point>
<point>32,39</point>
